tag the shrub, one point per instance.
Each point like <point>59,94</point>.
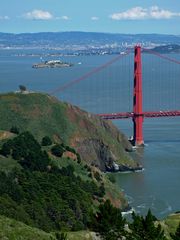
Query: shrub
<point>46,141</point>
<point>57,150</point>
<point>70,149</point>
<point>6,148</point>
<point>97,176</point>
<point>22,88</point>
<point>78,158</point>
<point>90,175</point>
<point>14,129</point>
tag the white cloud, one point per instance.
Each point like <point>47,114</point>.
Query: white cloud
<point>94,18</point>
<point>38,15</point>
<point>4,18</point>
<point>157,13</point>
<point>133,13</point>
<point>140,13</point>
<point>65,18</point>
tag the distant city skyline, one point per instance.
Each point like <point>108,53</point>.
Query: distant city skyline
<point>161,16</point>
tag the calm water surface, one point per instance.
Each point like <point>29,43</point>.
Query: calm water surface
<point>158,186</point>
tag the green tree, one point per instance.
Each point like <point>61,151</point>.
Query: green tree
<point>27,151</point>
<point>108,221</point>
<point>97,176</point>
<point>145,228</point>
<point>22,88</point>
<point>46,141</point>
<point>14,129</point>
<point>6,148</point>
<point>176,236</point>
<point>36,161</point>
<point>78,158</point>
<point>57,150</point>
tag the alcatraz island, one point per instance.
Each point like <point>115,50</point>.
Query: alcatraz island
<point>52,64</point>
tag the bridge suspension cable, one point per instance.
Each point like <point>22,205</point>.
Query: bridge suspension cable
<point>88,74</point>
<point>162,56</point>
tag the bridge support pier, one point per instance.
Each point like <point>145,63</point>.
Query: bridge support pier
<point>137,99</point>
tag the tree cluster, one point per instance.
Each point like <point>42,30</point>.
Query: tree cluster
<point>52,200</point>
<point>27,151</point>
<point>45,197</point>
<point>110,224</point>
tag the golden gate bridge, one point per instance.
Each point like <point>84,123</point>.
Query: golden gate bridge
<point>137,114</point>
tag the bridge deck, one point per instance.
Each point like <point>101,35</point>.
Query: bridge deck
<point>123,115</point>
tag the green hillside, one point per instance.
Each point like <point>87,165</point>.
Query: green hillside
<point>11,229</point>
<point>59,185</point>
<point>98,142</point>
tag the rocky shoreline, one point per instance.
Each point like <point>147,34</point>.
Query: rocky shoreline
<point>123,168</point>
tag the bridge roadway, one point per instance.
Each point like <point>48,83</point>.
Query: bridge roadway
<point>122,115</point>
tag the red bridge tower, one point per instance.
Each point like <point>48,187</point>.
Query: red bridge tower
<point>137,99</point>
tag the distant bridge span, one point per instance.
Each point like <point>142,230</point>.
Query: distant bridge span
<point>121,115</point>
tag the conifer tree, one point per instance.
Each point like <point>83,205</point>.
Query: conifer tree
<point>109,222</point>
<point>145,228</point>
<point>46,141</point>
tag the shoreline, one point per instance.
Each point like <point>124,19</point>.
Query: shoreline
<point>124,169</point>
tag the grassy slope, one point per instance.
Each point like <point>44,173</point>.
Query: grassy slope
<point>38,113</point>
<point>13,230</point>
<point>7,164</point>
<point>170,224</point>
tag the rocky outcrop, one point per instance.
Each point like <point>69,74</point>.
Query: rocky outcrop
<point>95,152</point>
<point>100,142</point>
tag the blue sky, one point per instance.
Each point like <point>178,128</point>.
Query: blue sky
<point>115,16</point>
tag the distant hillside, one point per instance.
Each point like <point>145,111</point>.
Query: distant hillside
<point>170,48</point>
<point>98,141</point>
<point>83,39</point>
